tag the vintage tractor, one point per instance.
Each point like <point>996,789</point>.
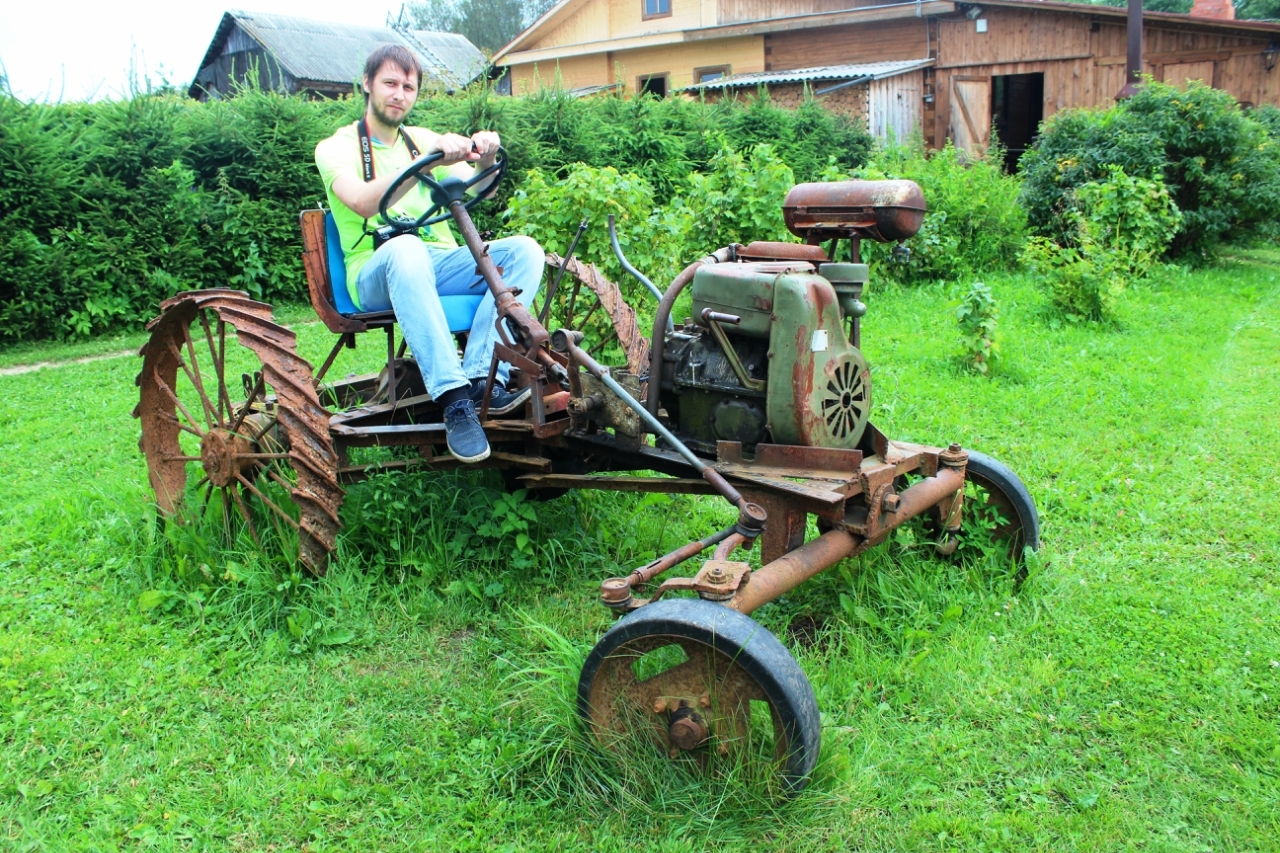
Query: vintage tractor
<point>762,397</point>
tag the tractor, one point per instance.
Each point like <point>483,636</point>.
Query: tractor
<point>762,397</point>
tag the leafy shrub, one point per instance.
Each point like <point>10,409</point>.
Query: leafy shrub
<point>974,223</point>
<point>1220,165</point>
<point>1132,219</point>
<point>107,208</point>
<point>1082,285</point>
<point>1122,227</point>
<point>549,210</point>
<point>977,315</point>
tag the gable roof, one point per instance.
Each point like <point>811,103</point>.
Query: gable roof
<point>329,52</point>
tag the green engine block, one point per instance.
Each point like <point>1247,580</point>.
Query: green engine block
<point>818,386</point>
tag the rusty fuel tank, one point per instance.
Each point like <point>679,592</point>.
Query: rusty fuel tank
<point>885,211</point>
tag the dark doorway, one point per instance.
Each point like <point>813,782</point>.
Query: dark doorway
<point>653,84</point>
<point>1017,106</point>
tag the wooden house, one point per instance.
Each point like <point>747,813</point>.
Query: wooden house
<point>322,58</point>
<point>954,69</point>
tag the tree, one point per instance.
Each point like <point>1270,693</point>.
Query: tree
<point>488,24</point>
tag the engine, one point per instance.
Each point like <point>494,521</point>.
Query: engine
<point>771,352</point>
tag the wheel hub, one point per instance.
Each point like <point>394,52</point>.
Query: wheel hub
<point>223,455</point>
<point>687,729</point>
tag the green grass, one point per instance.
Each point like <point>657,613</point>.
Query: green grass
<point>1127,696</point>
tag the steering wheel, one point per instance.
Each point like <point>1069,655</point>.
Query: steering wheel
<point>443,193</point>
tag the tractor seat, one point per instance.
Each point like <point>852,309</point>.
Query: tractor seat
<point>459,311</point>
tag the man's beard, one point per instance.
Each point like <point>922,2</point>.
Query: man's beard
<point>383,117</point>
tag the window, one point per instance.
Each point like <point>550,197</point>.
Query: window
<point>655,9</point>
<point>706,75</point>
<point>653,84</point>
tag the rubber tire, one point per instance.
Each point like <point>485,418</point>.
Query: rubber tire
<point>742,639</point>
<point>999,479</point>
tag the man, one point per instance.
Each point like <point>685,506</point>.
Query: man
<point>409,273</point>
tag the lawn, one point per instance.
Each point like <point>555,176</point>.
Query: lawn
<point>160,692</point>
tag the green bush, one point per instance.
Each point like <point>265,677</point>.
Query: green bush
<point>108,208</point>
<point>1121,227</point>
<point>1221,166</point>
<point>974,224</point>
<point>1132,219</point>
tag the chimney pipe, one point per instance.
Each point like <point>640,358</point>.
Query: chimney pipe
<point>1133,58</point>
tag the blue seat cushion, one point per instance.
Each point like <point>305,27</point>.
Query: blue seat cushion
<point>459,311</point>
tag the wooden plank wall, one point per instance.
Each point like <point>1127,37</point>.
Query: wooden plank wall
<point>743,54</point>
<point>589,23</point>
<point>1083,60</point>
<point>906,38</point>
<point>574,72</point>
<point>739,11</point>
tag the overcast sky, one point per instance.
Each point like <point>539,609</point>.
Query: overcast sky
<point>73,50</point>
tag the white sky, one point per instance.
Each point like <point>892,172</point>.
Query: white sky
<point>74,50</point>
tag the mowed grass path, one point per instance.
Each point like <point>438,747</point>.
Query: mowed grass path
<point>1126,697</point>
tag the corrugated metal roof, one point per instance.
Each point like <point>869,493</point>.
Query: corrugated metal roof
<point>864,70</point>
<point>329,52</point>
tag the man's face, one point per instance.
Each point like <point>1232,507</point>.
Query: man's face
<point>392,92</point>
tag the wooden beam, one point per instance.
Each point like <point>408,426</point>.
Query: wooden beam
<point>807,22</point>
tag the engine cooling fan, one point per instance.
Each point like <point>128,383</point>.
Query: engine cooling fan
<point>846,401</point>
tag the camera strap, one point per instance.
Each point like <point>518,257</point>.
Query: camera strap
<point>366,162</point>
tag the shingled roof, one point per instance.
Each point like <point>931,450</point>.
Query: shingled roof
<point>333,54</point>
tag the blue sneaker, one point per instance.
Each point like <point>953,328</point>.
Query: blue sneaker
<point>501,401</point>
<point>463,435</point>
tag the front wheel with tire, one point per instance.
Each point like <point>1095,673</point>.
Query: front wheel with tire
<point>705,683</point>
<point>1004,495</point>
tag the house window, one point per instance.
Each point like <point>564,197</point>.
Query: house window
<point>655,9</point>
<point>653,84</point>
<point>706,75</point>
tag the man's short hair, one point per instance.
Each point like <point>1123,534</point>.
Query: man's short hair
<point>398,54</point>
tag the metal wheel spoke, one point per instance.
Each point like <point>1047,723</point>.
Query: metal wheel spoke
<point>173,398</point>
<point>266,500</point>
<point>182,459</point>
<point>248,405</point>
<point>244,511</point>
<point>198,381</point>
<point>224,399</point>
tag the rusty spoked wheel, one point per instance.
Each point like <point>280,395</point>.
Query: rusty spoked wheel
<point>587,302</point>
<point>705,684</point>
<point>232,429</point>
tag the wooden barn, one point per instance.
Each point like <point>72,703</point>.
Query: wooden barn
<point>954,69</point>
<point>322,58</point>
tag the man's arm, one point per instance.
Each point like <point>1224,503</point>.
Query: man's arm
<point>363,197</point>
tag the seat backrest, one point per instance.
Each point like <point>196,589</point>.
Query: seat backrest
<point>337,266</point>
<point>326,268</point>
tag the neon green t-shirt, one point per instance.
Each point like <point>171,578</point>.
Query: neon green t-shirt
<point>340,155</point>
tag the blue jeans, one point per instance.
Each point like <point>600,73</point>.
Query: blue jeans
<point>409,276</point>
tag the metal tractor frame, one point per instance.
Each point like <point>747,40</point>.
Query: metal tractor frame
<point>284,434</point>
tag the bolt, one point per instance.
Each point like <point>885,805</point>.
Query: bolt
<point>659,706</point>
<point>717,574</point>
<point>705,700</point>
<point>890,502</point>
<point>688,732</point>
<point>954,448</point>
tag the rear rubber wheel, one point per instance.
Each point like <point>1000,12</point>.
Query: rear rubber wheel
<point>1019,523</point>
<point>699,681</point>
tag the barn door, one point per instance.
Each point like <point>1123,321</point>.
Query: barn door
<point>970,120</point>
